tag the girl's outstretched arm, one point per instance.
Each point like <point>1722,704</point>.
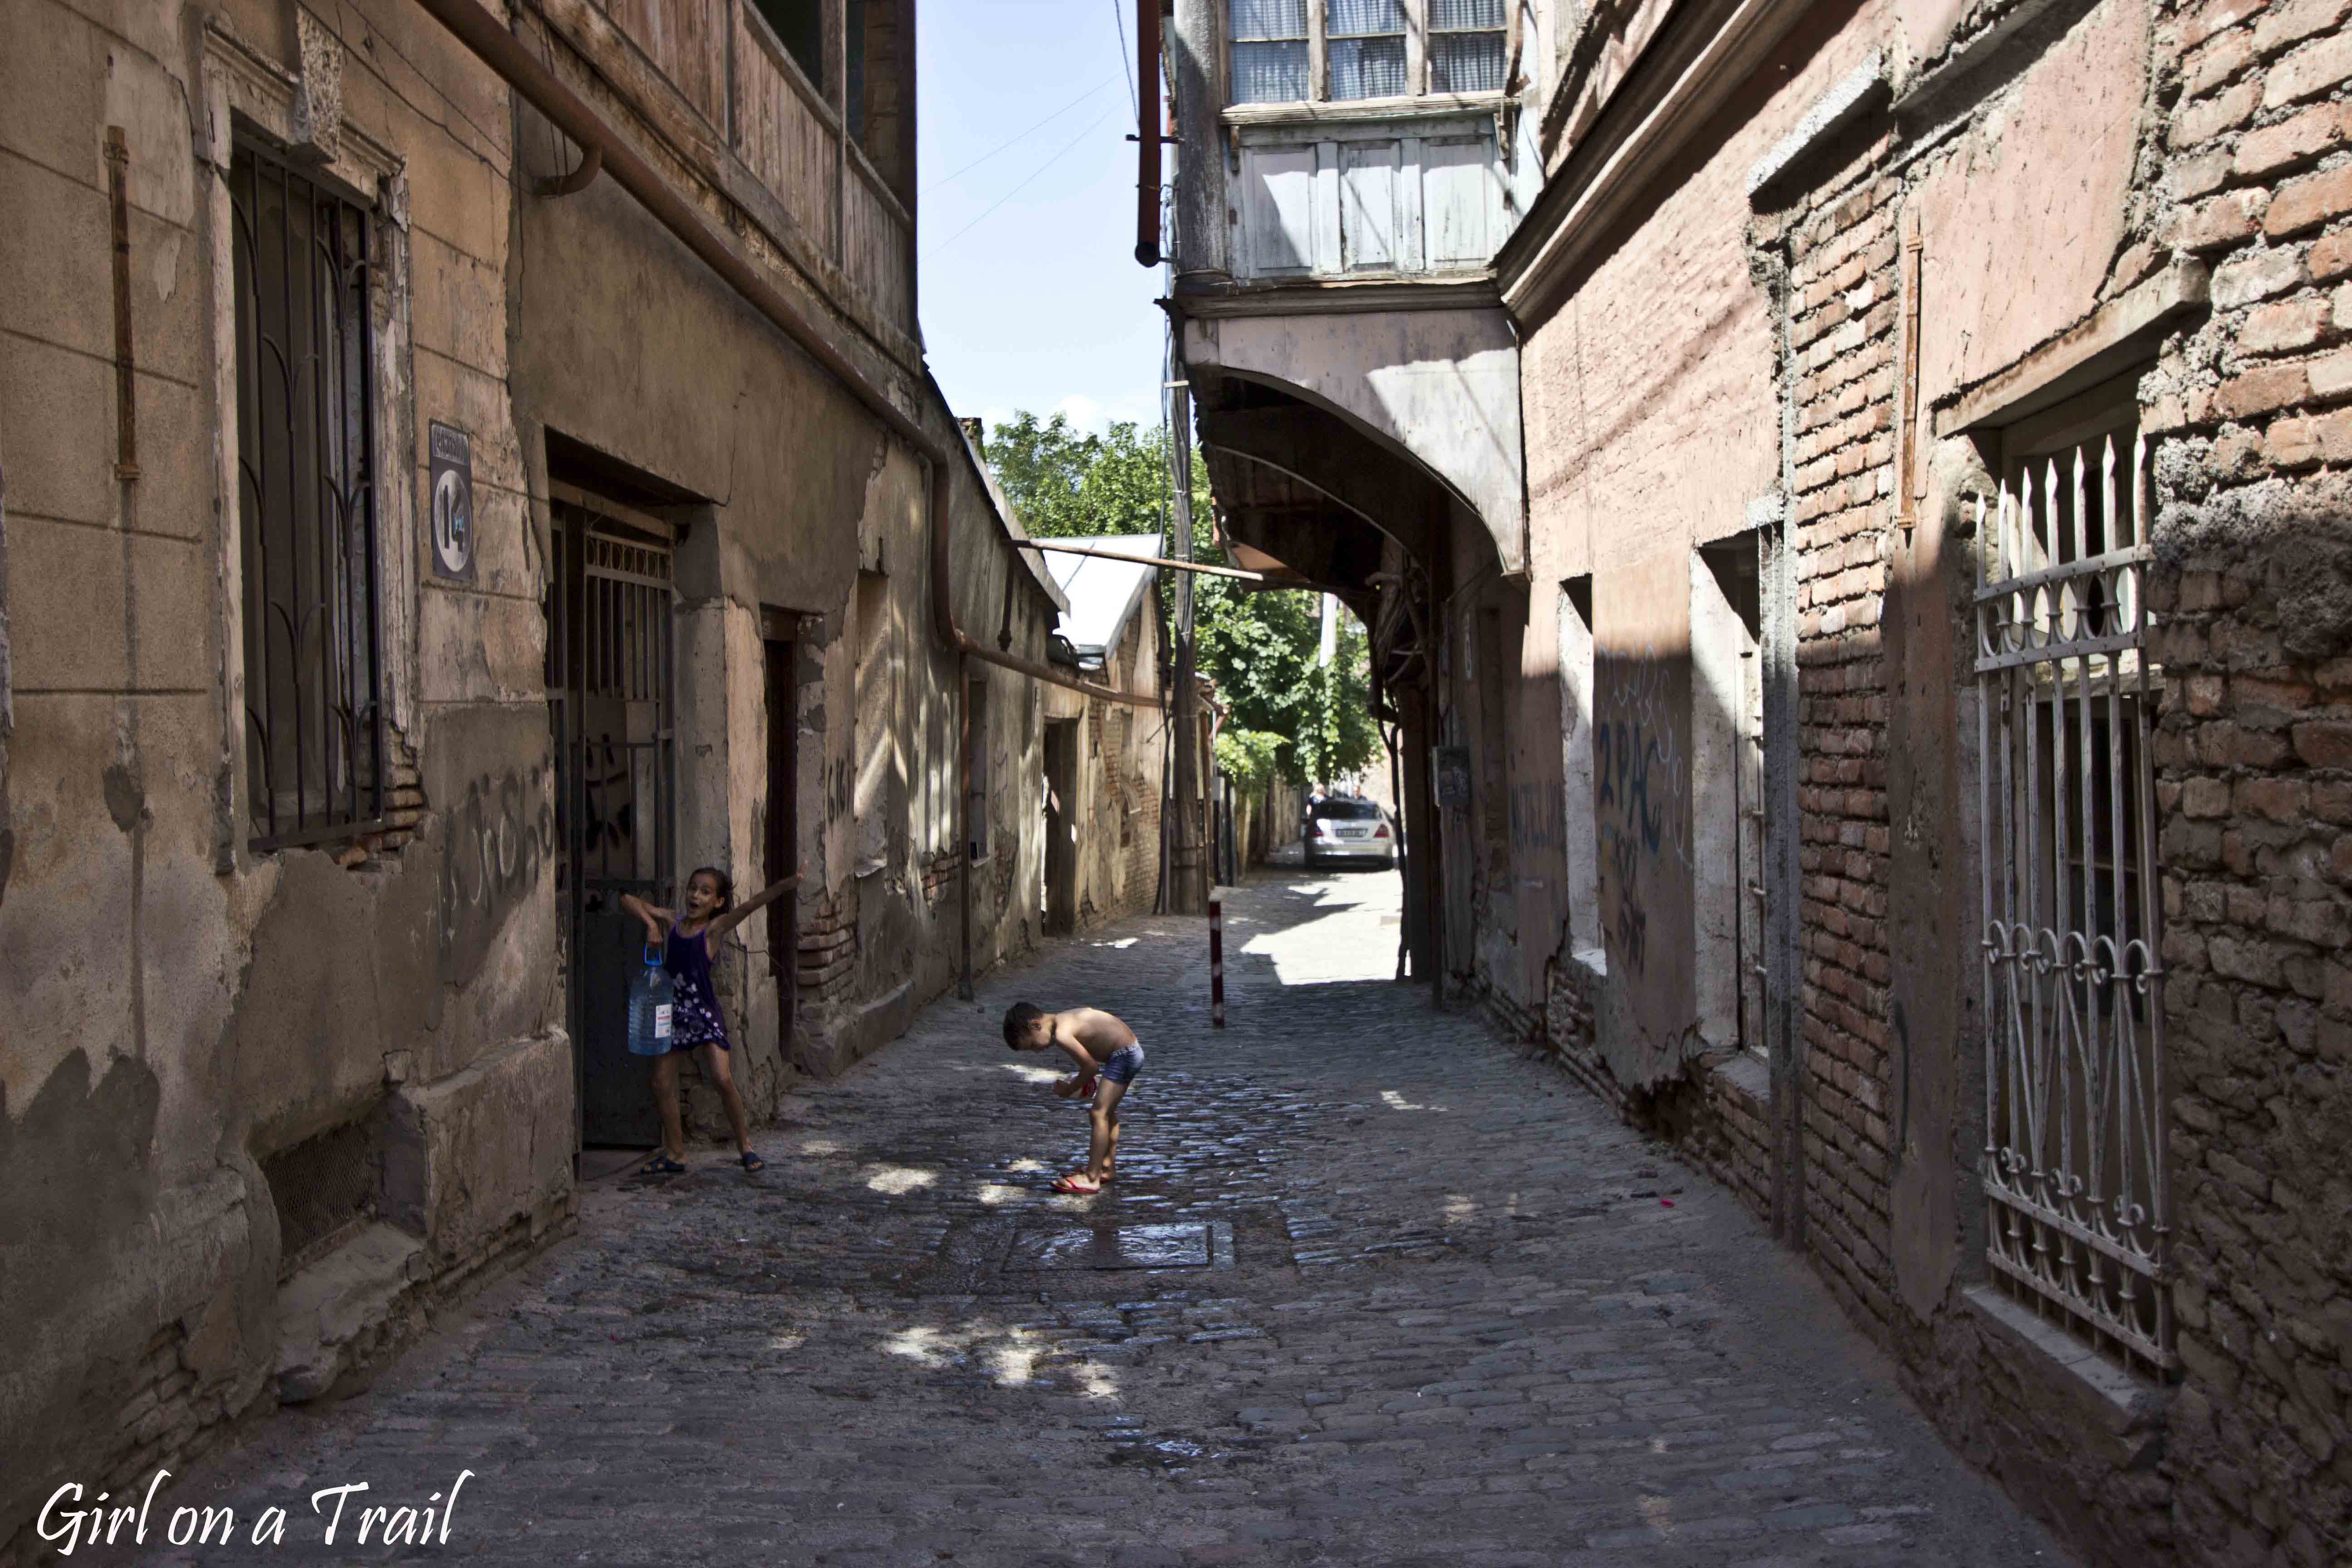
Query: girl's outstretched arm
<point>722,924</point>
<point>656,919</point>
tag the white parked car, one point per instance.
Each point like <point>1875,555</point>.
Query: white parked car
<point>1354,830</point>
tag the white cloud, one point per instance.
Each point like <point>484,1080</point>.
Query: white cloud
<point>1083,412</point>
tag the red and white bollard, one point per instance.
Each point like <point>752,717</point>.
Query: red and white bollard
<point>1217,962</point>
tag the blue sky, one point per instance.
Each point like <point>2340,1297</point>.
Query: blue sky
<point>1037,304</point>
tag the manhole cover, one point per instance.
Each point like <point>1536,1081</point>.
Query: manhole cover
<point>1196,1245</point>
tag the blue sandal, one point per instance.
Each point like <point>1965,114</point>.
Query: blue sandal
<point>661,1165</point>
<point>752,1161</point>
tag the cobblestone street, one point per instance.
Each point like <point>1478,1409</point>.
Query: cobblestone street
<point>1450,1312</point>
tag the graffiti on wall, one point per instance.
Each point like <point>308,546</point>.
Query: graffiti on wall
<point>498,835</point>
<point>608,827</point>
<point>1537,824</point>
<point>1640,804</point>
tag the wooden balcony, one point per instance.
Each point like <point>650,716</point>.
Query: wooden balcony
<point>1409,191</point>
<point>792,140</point>
<point>767,139</point>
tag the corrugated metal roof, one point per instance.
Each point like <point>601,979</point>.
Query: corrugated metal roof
<point>1103,594</point>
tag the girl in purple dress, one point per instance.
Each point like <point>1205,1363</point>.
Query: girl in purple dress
<point>696,1018</point>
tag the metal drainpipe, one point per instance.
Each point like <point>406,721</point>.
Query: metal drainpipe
<point>1147,132</point>
<point>964,871</point>
<point>498,49</point>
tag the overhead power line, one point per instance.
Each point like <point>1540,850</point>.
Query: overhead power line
<point>1125,59</point>
<point>1066,149</point>
<point>1003,146</point>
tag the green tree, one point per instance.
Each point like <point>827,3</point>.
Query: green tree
<point>1258,645</point>
<point>1064,483</point>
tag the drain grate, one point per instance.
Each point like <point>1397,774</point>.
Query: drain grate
<point>1200,1243</point>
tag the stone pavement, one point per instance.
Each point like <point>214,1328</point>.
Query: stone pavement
<point>1450,1312</point>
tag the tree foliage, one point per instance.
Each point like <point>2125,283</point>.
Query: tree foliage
<point>1065,482</point>
<point>1251,758</point>
<point>1259,646</point>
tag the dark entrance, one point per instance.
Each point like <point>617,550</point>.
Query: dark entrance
<point>1061,826</point>
<point>610,646</point>
<point>783,819</point>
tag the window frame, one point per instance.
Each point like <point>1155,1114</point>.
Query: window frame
<point>1409,12</point>
<point>252,99</point>
<point>1310,12</point>
<point>353,793</point>
<point>1418,55</point>
<point>2059,630</point>
<point>1500,31</point>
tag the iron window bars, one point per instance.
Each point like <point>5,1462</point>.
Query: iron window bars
<point>2074,1163</point>
<point>304,260</point>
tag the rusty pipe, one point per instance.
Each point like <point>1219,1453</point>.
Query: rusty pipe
<point>943,619</point>
<point>1147,132</point>
<point>591,158</point>
<point>1168,561</point>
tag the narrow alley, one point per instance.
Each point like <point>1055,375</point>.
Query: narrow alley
<point>1445,1310</point>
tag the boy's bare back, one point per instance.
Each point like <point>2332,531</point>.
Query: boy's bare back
<point>1100,1033</point>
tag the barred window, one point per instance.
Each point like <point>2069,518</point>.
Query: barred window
<point>306,505</point>
<point>1466,45</point>
<point>2075,1162</point>
<point>1367,48</point>
<point>1269,39</point>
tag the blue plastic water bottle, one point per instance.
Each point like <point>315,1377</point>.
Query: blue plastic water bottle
<point>649,1007</point>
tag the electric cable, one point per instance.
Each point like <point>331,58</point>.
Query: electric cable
<point>1068,148</point>
<point>1002,146</point>
<point>1125,59</point>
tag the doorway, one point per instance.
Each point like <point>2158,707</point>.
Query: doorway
<point>610,642</point>
<point>1061,826</point>
<point>777,628</point>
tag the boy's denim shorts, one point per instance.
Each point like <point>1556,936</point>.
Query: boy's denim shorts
<point>1123,1063</point>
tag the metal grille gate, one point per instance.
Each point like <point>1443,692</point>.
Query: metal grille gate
<point>611,695</point>
<point>2074,1129</point>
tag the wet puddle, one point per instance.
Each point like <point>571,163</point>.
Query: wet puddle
<point>1115,1247</point>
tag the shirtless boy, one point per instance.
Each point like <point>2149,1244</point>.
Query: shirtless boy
<point>1102,1047</point>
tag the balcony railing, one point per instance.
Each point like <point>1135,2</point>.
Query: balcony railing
<point>833,211</point>
<point>792,141</point>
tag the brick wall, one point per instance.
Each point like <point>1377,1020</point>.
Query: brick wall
<point>2254,769</point>
<point>1840,250</point>
<point>828,937</point>
<point>2249,169</point>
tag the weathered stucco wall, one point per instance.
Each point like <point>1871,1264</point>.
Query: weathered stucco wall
<point>1120,752</point>
<point>223,1024</point>
<point>210,1009</point>
<point>1653,426</point>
